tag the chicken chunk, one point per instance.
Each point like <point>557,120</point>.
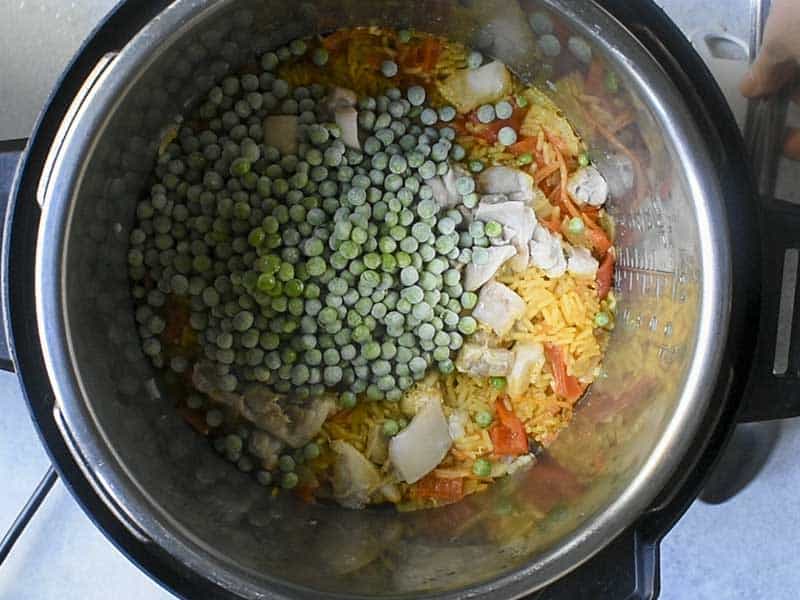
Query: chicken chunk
<point>281,132</point>
<point>444,188</point>
<point>529,360</point>
<point>293,424</point>
<point>513,183</point>
<point>265,447</point>
<point>377,448</point>
<point>420,447</point>
<point>588,186</point>
<point>547,253</point>
<point>581,263</point>
<point>205,380</point>
<point>467,89</point>
<point>498,307</point>
<point>519,223</point>
<point>340,98</point>
<point>346,118</point>
<point>476,275</point>
<point>484,362</point>
<point>354,477</point>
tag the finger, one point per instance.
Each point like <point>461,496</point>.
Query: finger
<point>768,74</point>
<point>791,145</point>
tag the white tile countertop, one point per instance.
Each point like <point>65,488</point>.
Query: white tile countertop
<point>743,549</point>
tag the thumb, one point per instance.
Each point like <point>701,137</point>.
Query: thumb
<point>767,75</point>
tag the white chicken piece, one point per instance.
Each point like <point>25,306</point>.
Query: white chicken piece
<point>294,424</point>
<point>346,118</point>
<point>280,131</point>
<point>513,183</point>
<point>205,380</point>
<point>528,363</point>
<point>588,186</point>
<point>421,446</point>
<point>354,477</point>
<point>476,275</point>
<point>547,253</point>
<point>581,263</point>
<point>444,188</point>
<point>340,98</point>
<point>467,89</point>
<point>498,307</point>
<point>493,198</point>
<point>377,448</point>
<point>481,361</point>
<point>265,447</point>
<point>517,219</point>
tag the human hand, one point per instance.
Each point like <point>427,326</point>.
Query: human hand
<point>777,64</point>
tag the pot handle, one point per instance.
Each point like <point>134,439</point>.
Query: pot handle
<point>10,158</point>
<point>773,391</point>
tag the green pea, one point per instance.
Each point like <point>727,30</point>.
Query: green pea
<point>484,419</point>
<point>467,325</point>
<point>493,229</point>
<point>289,481</point>
<point>498,383</point>
<point>482,468</point>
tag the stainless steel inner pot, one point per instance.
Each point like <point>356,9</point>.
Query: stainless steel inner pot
<point>174,492</point>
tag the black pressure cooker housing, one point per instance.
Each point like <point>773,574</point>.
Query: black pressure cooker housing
<point>629,566</point>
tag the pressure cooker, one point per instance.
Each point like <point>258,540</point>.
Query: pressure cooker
<point>701,261</point>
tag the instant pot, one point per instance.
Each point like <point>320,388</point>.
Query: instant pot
<point>701,273</point>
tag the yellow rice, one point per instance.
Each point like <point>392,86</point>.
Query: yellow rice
<point>559,311</point>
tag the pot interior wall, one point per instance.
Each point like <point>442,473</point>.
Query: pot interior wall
<point>237,531</point>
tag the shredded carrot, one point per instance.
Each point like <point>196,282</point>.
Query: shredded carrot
<point>597,238</point>
<point>195,419</point>
<point>605,275</point>
<point>545,172</point>
<point>341,416</point>
<point>306,493</point>
<point>564,197</point>
<point>616,143</point>
<point>333,41</point>
<point>594,76</point>
<point>621,122</point>
<point>525,145</point>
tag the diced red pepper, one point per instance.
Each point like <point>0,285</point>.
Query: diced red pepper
<point>524,146</point>
<point>567,386</point>
<point>439,488</point>
<point>508,434</point>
